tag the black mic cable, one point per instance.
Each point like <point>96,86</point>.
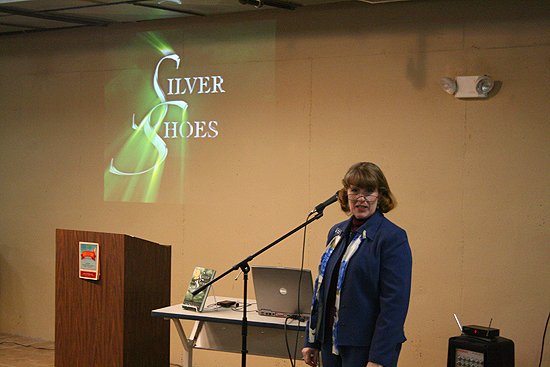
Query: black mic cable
<point>299,316</point>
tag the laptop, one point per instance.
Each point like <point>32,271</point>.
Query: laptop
<point>276,291</point>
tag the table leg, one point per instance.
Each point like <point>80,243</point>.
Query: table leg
<point>188,344</point>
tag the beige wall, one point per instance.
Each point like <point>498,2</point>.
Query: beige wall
<point>308,93</point>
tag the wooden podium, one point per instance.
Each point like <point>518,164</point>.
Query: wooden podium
<point>107,322</point>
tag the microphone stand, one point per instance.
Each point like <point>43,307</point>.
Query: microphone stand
<point>245,268</point>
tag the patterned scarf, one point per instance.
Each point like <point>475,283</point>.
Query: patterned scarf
<point>317,308</point>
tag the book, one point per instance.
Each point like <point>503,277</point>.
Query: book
<point>89,260</point>
<point>200,277</point>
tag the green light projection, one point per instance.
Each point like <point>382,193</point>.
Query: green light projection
<point>136,170</point>
<point>157,111</point>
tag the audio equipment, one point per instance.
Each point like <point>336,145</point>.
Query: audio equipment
<point>480,346</point>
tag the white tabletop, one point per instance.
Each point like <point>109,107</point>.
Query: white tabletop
<point>227,315</point>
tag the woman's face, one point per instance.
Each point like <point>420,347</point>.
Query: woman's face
<point>362,203</point>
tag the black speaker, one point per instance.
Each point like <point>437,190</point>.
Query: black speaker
<point>472,351</point>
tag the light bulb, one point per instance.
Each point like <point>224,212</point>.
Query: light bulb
<point>484,85</point>
<point>448,85</point>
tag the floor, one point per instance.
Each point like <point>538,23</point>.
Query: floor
<point>20,351</point>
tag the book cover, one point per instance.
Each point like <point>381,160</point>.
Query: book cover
<point>200,277</point>
<point>89,260</point>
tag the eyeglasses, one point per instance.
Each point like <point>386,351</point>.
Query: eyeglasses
<point>355,194</point>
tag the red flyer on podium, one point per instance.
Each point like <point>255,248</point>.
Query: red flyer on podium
<point>89,260</point>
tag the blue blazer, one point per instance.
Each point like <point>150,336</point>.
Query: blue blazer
<point>375,292</point>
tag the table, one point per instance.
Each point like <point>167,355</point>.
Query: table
<point>220,329</point>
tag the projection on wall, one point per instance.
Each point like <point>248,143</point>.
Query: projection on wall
<point>157,130</point>
<point>170,94</point>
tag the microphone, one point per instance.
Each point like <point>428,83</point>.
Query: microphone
<point>319,208</point>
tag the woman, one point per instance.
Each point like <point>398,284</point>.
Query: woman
<point>362,290</point>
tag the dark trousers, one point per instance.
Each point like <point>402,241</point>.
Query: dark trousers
<point>350,356</point>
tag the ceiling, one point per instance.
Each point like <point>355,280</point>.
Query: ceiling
<point>23,16</point>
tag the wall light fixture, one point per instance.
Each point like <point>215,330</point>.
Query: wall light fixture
<point>468,86</point>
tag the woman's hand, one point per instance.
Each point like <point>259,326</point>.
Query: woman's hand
<point>370,364</point>
<point>311,356</point>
